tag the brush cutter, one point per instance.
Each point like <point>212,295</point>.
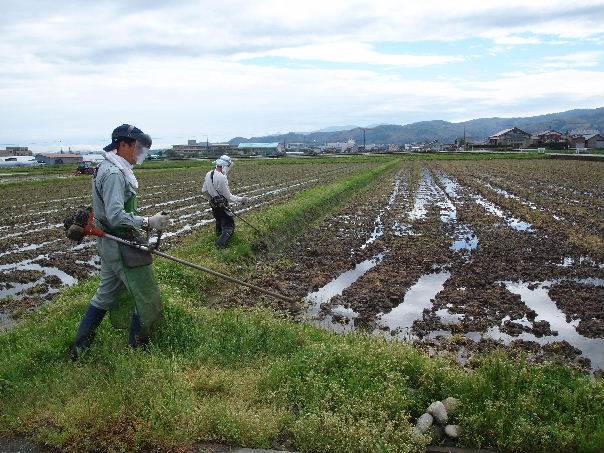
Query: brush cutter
<point>268,246</point>
<point>81,224</point>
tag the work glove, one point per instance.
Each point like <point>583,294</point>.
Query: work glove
<point>159,221</point>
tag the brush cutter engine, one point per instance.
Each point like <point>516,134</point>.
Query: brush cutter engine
<point>76,224</point>
<point>219,202</point>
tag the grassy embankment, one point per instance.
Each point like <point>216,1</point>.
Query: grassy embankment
<point>252,377</point>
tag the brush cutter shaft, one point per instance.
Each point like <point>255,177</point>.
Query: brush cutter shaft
<point>200,268</point>
<point>246,222</point>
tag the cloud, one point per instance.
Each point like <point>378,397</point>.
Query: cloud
<point>75,69</point>
<point>585,59</point>
<point>352,52</point>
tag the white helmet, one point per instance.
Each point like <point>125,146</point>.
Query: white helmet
<point>225,162</point>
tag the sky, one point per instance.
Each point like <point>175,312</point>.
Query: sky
<point>71,71</point>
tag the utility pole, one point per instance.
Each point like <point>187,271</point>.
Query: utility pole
<point>364,147</point>
<point>207,141</point>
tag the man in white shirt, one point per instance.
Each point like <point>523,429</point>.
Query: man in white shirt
<point>216,185</point>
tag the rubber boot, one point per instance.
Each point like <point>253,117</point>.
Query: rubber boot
<point>224,238</point>
<point>134,338</point>
<point>87,330</point>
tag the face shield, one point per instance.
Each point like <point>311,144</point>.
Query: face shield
<point>225,162</point>
<point>140,152</point>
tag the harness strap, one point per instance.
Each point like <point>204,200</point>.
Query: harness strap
<point>223,199</point>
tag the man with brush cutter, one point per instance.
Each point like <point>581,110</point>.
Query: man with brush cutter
<point>128,288</point>
<point>126,262</point>
<point>216,185</point>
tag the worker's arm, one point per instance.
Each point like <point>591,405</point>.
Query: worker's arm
<point>114,187</point>
<point>223,190</point>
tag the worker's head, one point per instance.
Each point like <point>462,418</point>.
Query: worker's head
<point>224,164</point>
<point>130,143</point>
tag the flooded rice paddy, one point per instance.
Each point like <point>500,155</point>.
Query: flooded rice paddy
<point>459,264</point>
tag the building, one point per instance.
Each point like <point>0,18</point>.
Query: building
<point>191,148</point>
<point>333,147</point>
<point>513,137</point>
<point>393,148</point>
<point>350,147</point>
<point>296,146</point>
<point>576,141</point>
<point>15,151</point>
<point>589,139</point>
<point>551,136</point>
<point>547,137</point>
<point>594,141</point>
<point>18,161</point>
<point>274,149</point>
<point>200,149</point>
<point>93,157</point>
<point>59,158</point>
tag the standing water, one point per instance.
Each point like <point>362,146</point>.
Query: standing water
<point>416,299</point>
<point>538,299</point>
<point>336,287</point>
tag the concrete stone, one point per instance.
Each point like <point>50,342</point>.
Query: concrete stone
<point>438,411</point>
<point>424,422</point>
<point>453,431</point>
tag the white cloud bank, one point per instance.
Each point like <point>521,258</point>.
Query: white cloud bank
<point>74,70</point>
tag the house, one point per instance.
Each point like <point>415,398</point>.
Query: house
<point>59,158</point>
<point>15,151</point>
<point>586,140</point>
<point>594,141</point>
<point>549,136</point>
<point>513,137</point>
<point>576,141</point>
<point>275,149</point>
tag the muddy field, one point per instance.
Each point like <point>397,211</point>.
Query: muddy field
<point>36,259</point>
<point>457,256</point>
<point>463,257</point>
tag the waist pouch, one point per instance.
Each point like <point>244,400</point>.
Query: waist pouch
<point>219,202</point>
<point>133,257</point>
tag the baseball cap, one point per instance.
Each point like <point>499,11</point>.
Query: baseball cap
<point>128,131</point>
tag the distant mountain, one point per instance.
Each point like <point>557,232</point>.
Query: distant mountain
<point>336,128</point>
<point>444,131</point>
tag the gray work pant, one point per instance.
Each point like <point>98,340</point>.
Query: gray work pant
<point>113,282</point>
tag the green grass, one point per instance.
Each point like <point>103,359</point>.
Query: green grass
<point>252,377</point>
<point>572,151</point>
<point>40,170</point>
